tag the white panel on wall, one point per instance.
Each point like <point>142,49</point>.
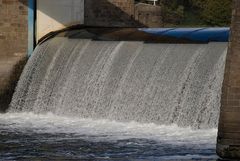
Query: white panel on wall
<point>57,14</point>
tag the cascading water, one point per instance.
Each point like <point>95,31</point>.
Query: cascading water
<point>102,100</point>
<point>124,81</point>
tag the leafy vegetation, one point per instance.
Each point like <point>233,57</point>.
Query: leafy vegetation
<point>196,12</point>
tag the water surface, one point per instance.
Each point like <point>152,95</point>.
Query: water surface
<point>26,136</point>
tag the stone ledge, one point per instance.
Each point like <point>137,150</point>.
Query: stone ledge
<point>228,151</point>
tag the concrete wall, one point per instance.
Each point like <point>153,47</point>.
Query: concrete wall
<point>149,15</point>
<point>229,125</point>
<point>13,46</point>
<point>57,14</point>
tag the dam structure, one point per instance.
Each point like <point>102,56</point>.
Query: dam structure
<point>152,86</point>
<point>104,87</point>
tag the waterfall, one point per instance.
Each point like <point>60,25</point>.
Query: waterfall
<point>124,81</point>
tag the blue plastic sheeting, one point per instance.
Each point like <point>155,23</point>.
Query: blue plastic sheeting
<point>193,34</point>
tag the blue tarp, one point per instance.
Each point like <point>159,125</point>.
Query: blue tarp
<point>193,34</point>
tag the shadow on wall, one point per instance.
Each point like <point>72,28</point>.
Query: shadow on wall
<point>58,14</point>
<point>111,14</point>
<point>9,81</point>
<point>13,46</point>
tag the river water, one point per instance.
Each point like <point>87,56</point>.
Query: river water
<point>27,136</point>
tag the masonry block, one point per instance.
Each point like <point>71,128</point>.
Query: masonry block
<point>228,142</point>
<point>13,46</point>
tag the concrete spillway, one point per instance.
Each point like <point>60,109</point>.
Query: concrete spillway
<point>124,81</point>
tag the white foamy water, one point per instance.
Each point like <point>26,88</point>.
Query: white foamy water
<point>30,136</point>
<point>105,130</point>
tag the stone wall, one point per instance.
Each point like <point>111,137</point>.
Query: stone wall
<point>121,13</point>
<point>149,15</point>
<point>13,27</point>
<point>110,13</point>
<point>13,46</point>
<point>229,125</point>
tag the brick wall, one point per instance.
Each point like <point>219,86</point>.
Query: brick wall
<point>110,13</point>
<point>13,27</point>
<point>126,6</point>
<point>229,125</point>
<point>149,15</point>
<point>13,46</point>
<point>121,13</point>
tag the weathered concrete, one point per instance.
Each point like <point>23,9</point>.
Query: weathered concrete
<point>228,143</point>
<point>13,46</point>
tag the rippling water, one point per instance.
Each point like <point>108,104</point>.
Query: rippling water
<point>26,136</point>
